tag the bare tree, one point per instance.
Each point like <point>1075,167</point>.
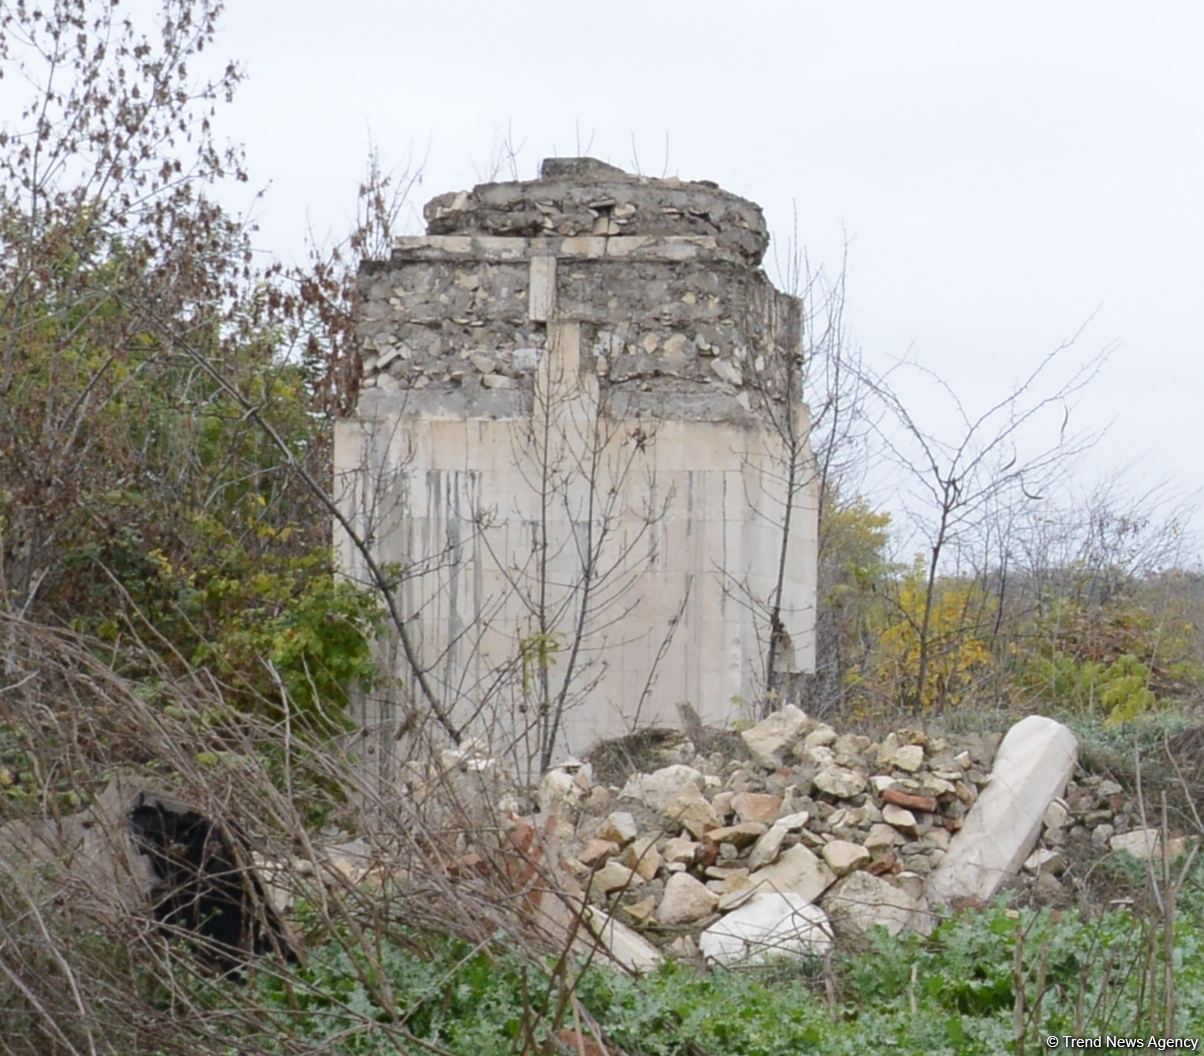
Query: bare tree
<point>956,488</point>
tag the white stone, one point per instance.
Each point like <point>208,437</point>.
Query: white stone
<point>483,364</point>
<point>497,381</point>
<point>839,781</point>
<point>614,877</point>
<point>881,836</point>
<point>679,850</point>
<point>643,857</point>
<point>754,806</point>
<point>727,371</point>
<point>820,737</point>
<point>1033,764</point>
<point>1146,844</point>
<point>563,789</point>
<point>690,810</point>
<point>618,827</point>
<point>909,757</point>
<point>769,739</point>
<point>1044,860</point>
<point>626,947</point>
<point>1057,815</point>
<point>843,857</point>
<point>900,817</point>
<point>860,900</point>
<point>659,788</point>
<point>797,871</point>
<point>767,925</point>
<point>818,755</point>
<point>541,290</point>
<point>685,900</point>
<point>766,849</point>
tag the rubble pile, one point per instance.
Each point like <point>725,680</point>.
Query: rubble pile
<point>815,836</point>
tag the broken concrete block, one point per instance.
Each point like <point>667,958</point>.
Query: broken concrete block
<point>767,925</point>
<point>1034,763</point>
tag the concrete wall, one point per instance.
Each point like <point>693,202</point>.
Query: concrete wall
<point>574,429</point>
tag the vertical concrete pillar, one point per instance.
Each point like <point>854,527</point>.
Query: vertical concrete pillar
<point>566,444</point>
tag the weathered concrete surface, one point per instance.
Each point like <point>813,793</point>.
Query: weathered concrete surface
<point>581,373</point>
<point>767,925</point>
<point>1035,761</point>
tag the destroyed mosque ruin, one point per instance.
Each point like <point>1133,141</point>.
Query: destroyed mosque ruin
<point>581,450</point>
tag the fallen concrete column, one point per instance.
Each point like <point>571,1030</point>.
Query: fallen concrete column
<point>1033,765</point>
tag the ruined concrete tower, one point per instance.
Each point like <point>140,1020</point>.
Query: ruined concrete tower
<point>582,449</point>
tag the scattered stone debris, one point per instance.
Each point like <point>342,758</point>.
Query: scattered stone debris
<point>725,860</point>
<point>814,836</point>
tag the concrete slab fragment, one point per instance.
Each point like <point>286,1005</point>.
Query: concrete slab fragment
<point>1034,763</point>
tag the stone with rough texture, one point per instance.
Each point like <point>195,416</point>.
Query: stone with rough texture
<point>563,789</point>
<point>680,849</point>
<point>741,835</point>
<point>1057,815</point>
<point>767,925</point>
<point>909,757</point>
<point>685,900</point>
<point>690,810</point>
<point>843,857</point>
<point>614,877</point>
<point>797,871</point>
<point>907,800</point>
<point>608,297</point>
<point>1145,844</point>
<point>881,836</point>
<point>901,819</point>
<point>659,788</point>
<point>618,827</point>
<point>767,848</point>
<point>757,806</point>
<point>839,781</point>
<point>859,901</point>
<point>1034,762</point>
<point>596,851</point>
<point>626,947</point>
<point>642,856</point>
<point>769,739</point>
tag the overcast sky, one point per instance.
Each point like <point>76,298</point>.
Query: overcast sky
<point>1003,173</point>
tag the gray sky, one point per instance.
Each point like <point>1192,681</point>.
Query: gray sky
<point>1003,172</point>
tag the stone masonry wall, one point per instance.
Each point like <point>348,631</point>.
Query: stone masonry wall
<point>675,305</point>
<point>627,319</point>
